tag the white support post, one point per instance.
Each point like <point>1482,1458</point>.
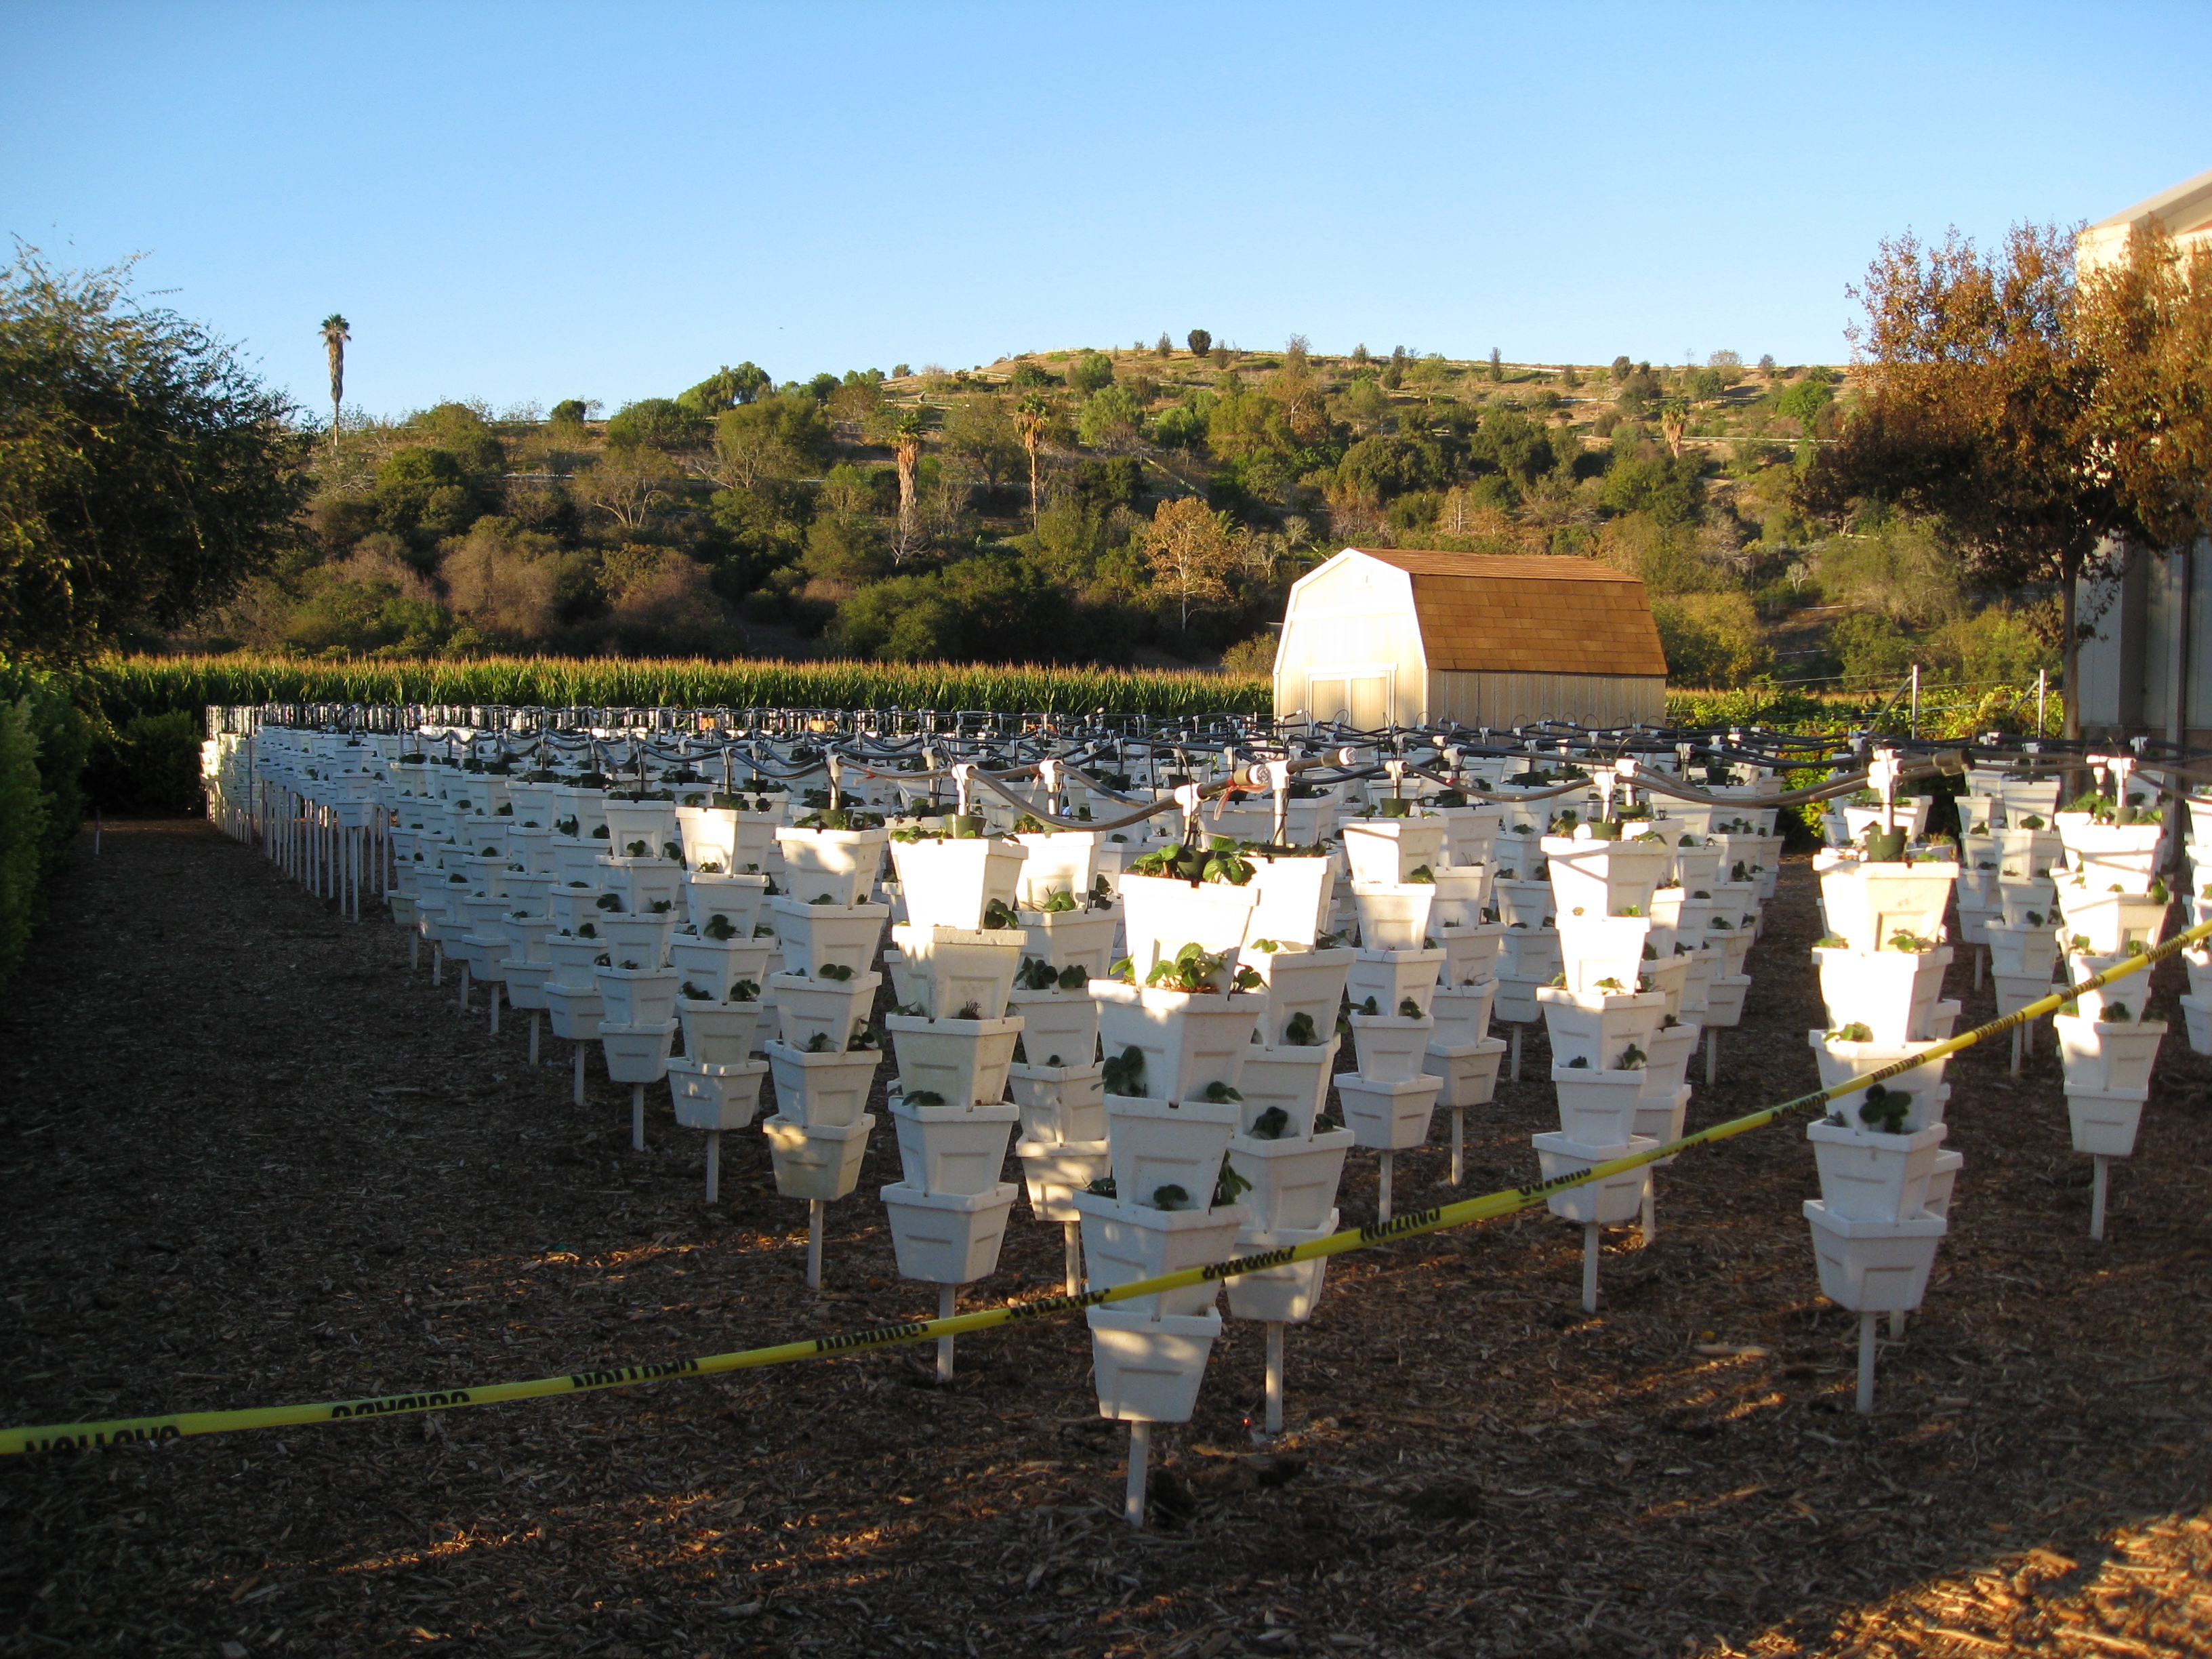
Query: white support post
<point>1869,1341</point>
<point>1383,1161</point>
<point>1651,1216</point>
<point>713,1165</point>
<point>816,1209</point>
<point>491,996</point>
<point>1513,1060</point>
<point>465,985</point>
<point>1071,1245</point>
<point>637,1117</point>
<point>1275,1418</point>
<point>579,1094</point>
<point>1458,1144</point>
<point>2100,1186</point>
<point>947,1300</point>
<point>535,1014</point>
<point>1590,1266</point>
<point>1712,1055</point>
<point>1140,1452</point>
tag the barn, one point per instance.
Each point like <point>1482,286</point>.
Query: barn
<point>1381,636</point>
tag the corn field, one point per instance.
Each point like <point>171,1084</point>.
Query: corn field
<point>128,686</point>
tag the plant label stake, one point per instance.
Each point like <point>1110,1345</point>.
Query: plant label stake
<point>1141,1452</point>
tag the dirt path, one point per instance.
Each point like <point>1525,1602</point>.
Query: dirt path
<point>251,1158</point>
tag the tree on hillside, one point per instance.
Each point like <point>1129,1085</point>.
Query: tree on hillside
<point>980,434</point>
<point>144,472</point>
<point>1978,413</point>
<point>780,436</point>
<point>726,388</point>
<point>1190,550</point>
<point>906,435</point>
<point>1033,418</point>
<point>335,336</point>
<point>1198,341</point>
<point>627,483</point>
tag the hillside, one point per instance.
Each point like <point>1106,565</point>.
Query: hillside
<point>1147,505</point>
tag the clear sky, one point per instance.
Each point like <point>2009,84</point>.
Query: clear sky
<point>525,203</point>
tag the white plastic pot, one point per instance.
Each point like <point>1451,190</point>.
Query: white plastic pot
<point>1866,1176</point>
<point>1470,832</point>
<point>716,965</point>
<point>1604,877</point>
<point>652,822</point>
<point>953,1149</point>
<point>825,1091</point>
<point>2105,1122</point>
<point>1389,1047</point>
<point>643,938</point>
<point>2112,921</point>
<point>1285,1295</point>
<point>2022,949</point>
<point>574,1014</point>
<point>525,982</point>
<point>1057,1022</point>
<point>842,863</point>
<point>1601,948</point>
<point>964,1061</point>
<point>1295,1080</point>
<point>1059,1104</point>
<point>2196,1016</point>
<point>2101,1057</point>
<point>817,1161</point>
<point>1607,1202</point>
<point>1160,914</point>
<point>1471,954</point>
<point>948,1238</point>
<point>2028,903</point>
<point>1148,1369</point>
<point>1388,1115</point>
<point>806,1007</point>
<point>709,835</point>
<point>949,883</point>
<point>1462,1012</point>
<point>642,884</point>
<point>1659,1117</point>
<point>1071,939</point>
<point>1309,982</point>
<point>1875,1267</point>
<point>1054,1171</point>
<point>718,1033</point>
<point>1597,1109</point>
<point>1869,904</point>
<point>2109,855</point>
<point>1189,1041</point>
<point>1468,1070</point>
<point>1943,1179</point>
<point>1462,894</point>
<point>1294,1182</point>
<point>1392,978</point>
<point>1058,862</point>
<point>637,1054</point>
<point>1522,903</point>
<point>1157,1144</point>
<point>1841,1061</point>
<point>1891,992</point>
<point>1596,1028</point>
<point>1391,850</point>
<point>638,996</point>
<point>953,968</point>
<point>813,934</point>
<point>1393,916</point>
<point>1124,1241</point>
<point>738,899</point>
<point>712,1096</point>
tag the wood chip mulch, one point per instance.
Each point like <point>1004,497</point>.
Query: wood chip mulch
<point>251,1158</point>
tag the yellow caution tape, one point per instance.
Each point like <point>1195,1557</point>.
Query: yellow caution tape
<point>178,1425</point>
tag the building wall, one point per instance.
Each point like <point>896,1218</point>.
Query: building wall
<point>1350,639</point>
<point>1500,701</point>
<point>2147,668</point>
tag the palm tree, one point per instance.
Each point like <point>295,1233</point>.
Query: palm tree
<point>1032,415</point>
<point>906,448</point>
<point>334,342</point>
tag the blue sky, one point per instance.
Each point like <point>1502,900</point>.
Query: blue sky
<point>529,203</point>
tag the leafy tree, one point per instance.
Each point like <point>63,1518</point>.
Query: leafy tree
<point>2146,322</point>
<point>981,432</point>
<point>1667,487</point>
<point>1711,639</point>
<point>1373,471</point>
<point>904,619</point>
<point>845,550</point>
<point>657,423</point>
<point>1092,372</point>
<point>335,336</point>
<point>1804,401</point>
<point>424,493</point>
<point>726,388</point>
<point>1010,610</point>
<point>1107,484</point>
<point>627,483</point>
<point>1198,341</point>
<point>1767,364</point>
<point>462,432</point>
<point>1112,418</point>
<point>1359,355</point>
<point>1979,413</point>
<point>1182,427</point>
<point>1164,347</point>
<point>1190,550</point>
<point>1620,369</point>
<point>780,435</point>
<point>1496,367</point>
<point>1508,441</point>
<point>144,472</point>
<point>1031,377</point>
<point>569,411</point>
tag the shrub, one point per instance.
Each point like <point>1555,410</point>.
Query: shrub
<point>22,832</point>
<point>1711,639</point>
<point>149,767</point>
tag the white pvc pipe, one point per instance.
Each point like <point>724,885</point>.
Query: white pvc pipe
<point>1458,1144</point>
<point>1867,1344</point>
<point>1590,1266</point>
<point>1382,1185</point>
<point>1515,1066</point>
<point>2100,1186</point>
<point>815,1211</point>
<point>578,1093</point>
<point>713,1165</point>
<point>492,995</point>
<point>534,1035</point>
<point>947,1300</point>
<point>1651,1216</point>
<point>1071,1245</point>
<point>1141,1452</point>
<point>637,1117</point>
<point>1712,1055</point>
<point>1274,1376</point>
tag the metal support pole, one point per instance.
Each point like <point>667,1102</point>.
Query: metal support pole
<point>816,1209</point>
<point>2042,690</point>
<point>637,1117</point>
<point>947,1300</point>
<point>1274,1418</point>
<point>1867,1342</point>
<point>1590,1266</point>
<point>1140,1452</point>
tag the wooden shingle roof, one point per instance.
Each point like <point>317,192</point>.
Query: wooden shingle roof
<point>1533,613</point>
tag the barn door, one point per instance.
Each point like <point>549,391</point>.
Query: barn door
<point>1359,696</point>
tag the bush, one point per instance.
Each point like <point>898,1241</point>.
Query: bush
<point>22,833</point>
<point>1254,656</point>
<point>1711,639</point>
<point>148,768</point>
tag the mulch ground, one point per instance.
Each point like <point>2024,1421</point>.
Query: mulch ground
<point>251,1158</point>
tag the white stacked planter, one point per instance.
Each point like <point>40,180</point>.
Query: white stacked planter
<point>2107,1053</point>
